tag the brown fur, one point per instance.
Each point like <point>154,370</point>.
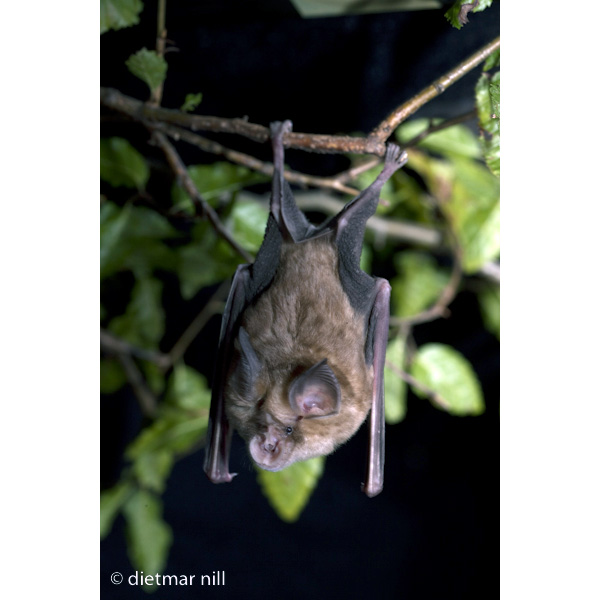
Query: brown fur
<point>302,318</point>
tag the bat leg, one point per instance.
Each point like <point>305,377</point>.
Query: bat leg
<point>349,227</point>
<point>292,223</point>
<point>357,211</point>
<point>378,328</point>
<point>218,436</point>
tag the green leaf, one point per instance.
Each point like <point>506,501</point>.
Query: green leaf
<point>130,238</point>
<point>121,164</point>
<point>445,371</point>
<point>143,322</point>
<point>489,304</point>
<point>148,536</point>
<point>395,386</point>
<point>183,420</point>
<point>154,376</point>
<point>205,261</point>
<point>148,66</point>
<point>419,283</point>
<point>152,469</point>
<point>487,98</point>
<point>366,258</point>
<point>112,376</point>
<point>191,102</point>
<point>249,223</point>
<point>214,181</point>
<point>288,491</point>
<point>457,140</point>
<point>117,14</point>
<point>453,14</point>
<point>492,61</point>
<point>474,213</point>
<point>175,430</point>
<point>469,196</point>
<point>187,389</point>
<point>111,502</point>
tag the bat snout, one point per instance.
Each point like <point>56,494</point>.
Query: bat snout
<point>267,450</point>
<point>270,443</point>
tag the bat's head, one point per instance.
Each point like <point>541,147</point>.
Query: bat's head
<point>283,416</point>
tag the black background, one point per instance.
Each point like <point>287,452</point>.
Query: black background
<point>434,531</point>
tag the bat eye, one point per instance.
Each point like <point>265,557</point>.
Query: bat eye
<point>288,430</point>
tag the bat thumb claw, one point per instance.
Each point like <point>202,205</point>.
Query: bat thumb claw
<point>371,490</point>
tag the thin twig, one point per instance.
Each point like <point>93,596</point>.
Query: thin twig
<point>439,127</point>
<point>431,394</point>
<point>355,171</point>
<point>202,206</point>
<point>124,351</point>
<point>115,345</point>
<point>383,131</point>
<point>146,399</point>
<point>111,343</point>
<point>178,133</point>
<point>212,307</point>
<point>161,39</point>
<point>440,308</point>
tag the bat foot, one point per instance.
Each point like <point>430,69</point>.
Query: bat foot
<point>395,157</point>
<point>279,128</point>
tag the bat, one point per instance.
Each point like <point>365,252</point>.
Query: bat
<point>303,338</point>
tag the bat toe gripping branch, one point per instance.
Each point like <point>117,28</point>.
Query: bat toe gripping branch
<point>395,156</point>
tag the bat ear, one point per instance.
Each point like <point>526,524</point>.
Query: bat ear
<point>315,393</point>
<point>250,366</point>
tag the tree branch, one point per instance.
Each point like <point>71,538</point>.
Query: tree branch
<point>400,114</point>
<point>111,343</point>
<point>125,352</point>
<point>178,133</point>
<point>161,39</point>
<point>202,206</point>
<point>332,144</point>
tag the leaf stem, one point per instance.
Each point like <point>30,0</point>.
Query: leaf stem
<point>434,396</point>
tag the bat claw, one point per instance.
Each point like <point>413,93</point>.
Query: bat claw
<point>221,477</point>
<point>395,157</point>
<point>278,128</point>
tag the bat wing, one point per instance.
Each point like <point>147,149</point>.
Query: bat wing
<point>370,297</point>
<point>218,437</point>
<point>377,336</point>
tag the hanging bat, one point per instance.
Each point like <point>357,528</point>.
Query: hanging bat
<point>303,338</point>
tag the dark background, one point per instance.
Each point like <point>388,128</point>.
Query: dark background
<point>434,531</point>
